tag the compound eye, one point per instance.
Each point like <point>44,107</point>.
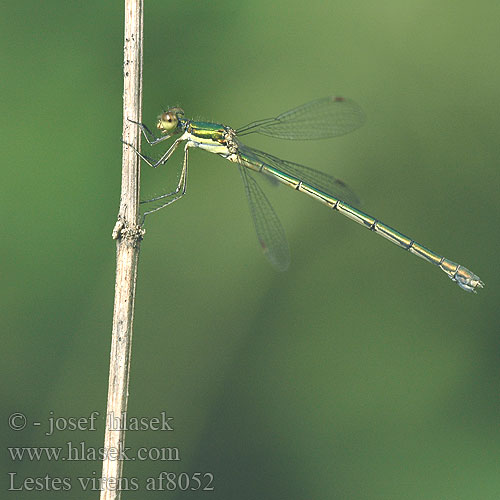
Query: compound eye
<point>167,122</point>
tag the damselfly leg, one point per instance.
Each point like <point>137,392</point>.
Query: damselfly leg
<point>175,195</point>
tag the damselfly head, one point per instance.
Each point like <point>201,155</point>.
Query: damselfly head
<point>168,120</point>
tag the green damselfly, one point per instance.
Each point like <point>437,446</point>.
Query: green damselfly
<point>322,118</point>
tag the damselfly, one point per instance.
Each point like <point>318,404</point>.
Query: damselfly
<point>322,118</point>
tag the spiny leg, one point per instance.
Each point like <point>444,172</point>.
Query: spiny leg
<point>150,161</point>
<point>166,195</point>
<point>179,192</point>
<point>147,133</point>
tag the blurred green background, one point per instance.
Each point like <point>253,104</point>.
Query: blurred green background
<point>362,372</point>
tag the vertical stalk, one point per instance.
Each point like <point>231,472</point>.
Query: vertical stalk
<point>128,235</point>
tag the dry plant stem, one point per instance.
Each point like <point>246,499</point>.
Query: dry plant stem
<point>128,235</point>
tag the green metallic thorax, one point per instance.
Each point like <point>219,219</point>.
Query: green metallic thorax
<point>206,131</point>
<point>212,137</point>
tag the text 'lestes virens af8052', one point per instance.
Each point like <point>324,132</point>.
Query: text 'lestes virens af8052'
<point>319,119</point>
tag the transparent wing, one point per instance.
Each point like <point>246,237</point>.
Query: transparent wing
<point>320,119</point>
<point>270,232</point>
<point>315,178</point>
